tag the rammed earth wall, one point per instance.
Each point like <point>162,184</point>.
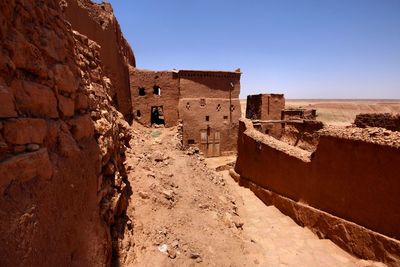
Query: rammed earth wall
<point>348,176</point>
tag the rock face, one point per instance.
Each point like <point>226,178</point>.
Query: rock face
<point>62,143</point>
<point>98,22</point>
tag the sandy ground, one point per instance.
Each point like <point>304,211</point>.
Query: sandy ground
<point>186,214</point>
<point>341,112</point>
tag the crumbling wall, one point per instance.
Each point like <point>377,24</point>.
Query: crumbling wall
<point>302,134</point>
<point>353,174</point>
<point>384,120</point>
<point>142,84</point>
<point>62,189</point>
<point>98,22</point>
<point>265,106</point>
<point>253,107</point>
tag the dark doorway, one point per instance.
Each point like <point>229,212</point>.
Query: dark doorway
<point>157,115</point>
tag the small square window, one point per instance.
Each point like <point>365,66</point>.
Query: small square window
<point>225,117</point>
<point>190,142</point>
<point>142,91</point>
<point>207,118</point>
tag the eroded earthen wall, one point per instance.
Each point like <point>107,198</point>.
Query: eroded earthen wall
<point>62,186</point>
<point>354,180</point>
<point>142,83</point>
<point>253,107</point>
<point>265,106</point>
<point>384,120</point>
<point>97,21</point>
<point>272,106</point>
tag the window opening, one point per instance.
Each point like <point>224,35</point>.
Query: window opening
<point>156,90</point>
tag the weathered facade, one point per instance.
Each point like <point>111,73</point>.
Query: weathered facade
<point>207,102</point>
<point>209,107</point>
<point>267,110</point>
<point>155,96</point>
<point>265,106</point>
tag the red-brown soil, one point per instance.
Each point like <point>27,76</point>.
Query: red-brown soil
<point>203,218</point>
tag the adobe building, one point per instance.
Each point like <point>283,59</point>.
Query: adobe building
<point>207,102</point>
<point>265,106</point>
<point>266,112</point>
<point>209,107</point>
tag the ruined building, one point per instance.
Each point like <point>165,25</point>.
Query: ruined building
<point>265,106</point>
<point>207,102</point>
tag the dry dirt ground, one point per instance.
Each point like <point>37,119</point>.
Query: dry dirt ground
<point>184,213</point>
<point>341,112</point>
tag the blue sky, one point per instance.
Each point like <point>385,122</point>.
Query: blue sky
<point>302,48</point>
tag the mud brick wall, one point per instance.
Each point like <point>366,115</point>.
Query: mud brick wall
<point>98,22</point>
<point>354,179</point>
<point>145,80</point>
<point>209,84</point>
<point>208,101</point>
<point>384,120</point>
<point>193,114</point>
<point>265,106</point>
<point>347,190</point>
<point>62,188</point>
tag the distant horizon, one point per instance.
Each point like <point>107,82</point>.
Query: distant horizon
<point>305,49</point>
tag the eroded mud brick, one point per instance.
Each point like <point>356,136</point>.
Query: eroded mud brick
<point>7,107</point>
<point>25,131</point>
<point>25,167</point>
<point>82,127</point>
<point>64,79</point>
<point>35,99</point>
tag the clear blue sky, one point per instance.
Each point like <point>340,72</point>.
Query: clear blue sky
<point>302,48</point>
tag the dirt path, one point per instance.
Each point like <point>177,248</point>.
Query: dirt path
<point>186,214</point>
